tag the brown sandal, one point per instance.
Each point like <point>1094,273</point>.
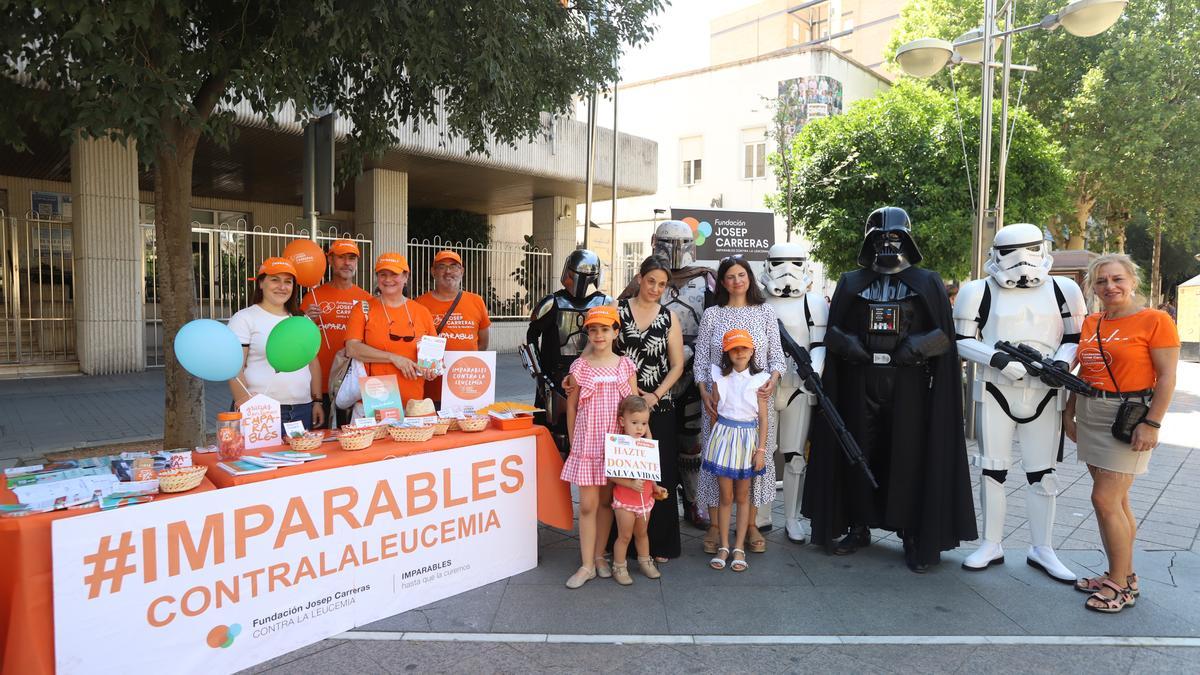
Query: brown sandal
<point>1094,584</point>
<point>757,546</point>
<point>1122,598</point>
<point>710,545</point>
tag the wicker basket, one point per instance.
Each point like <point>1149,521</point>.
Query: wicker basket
<point>381,431</point>
<point>311,440</point>
<point>471,424</point>
<point>181,480</point>
<point>442,427</point>
<point>411,434</point>
<point>356,439</point>
<point>453,424</point>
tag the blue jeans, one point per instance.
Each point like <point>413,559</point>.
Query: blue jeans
<point>301,412</point>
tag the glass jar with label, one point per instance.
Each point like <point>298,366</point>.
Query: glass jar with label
<point>230,443</point>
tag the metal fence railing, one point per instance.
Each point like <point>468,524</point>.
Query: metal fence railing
<point>223,259</point>
<point>37,290</point>
<point>509,277</point>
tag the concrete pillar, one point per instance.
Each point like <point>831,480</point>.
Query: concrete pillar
<point>108,274</point>
<point>554,228</point>
<point>381,210</point>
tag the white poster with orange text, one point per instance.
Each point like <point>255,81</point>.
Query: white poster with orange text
<point>222,580</point>
<point>469,380</point>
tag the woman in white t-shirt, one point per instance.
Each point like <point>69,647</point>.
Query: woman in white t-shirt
<point>276,297</point>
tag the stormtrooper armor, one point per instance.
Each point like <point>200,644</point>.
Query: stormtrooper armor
<point>556,332</point>
<point>1019,302</point>
<point>691,290</point>
<point>786,280</point>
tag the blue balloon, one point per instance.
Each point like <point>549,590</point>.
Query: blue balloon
<point>208,350</point>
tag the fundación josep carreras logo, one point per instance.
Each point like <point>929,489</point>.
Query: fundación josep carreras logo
<point>221,637</point>
<point>701,228</point>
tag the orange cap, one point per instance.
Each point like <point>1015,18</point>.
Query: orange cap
<point>276,266</point>
<point>447,255</point>
<point>736,338</point>
<point>605,315</point>
<point>392,262</point>
<point>343,247</point>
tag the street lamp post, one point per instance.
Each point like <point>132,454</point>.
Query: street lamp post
<point>925,57</point>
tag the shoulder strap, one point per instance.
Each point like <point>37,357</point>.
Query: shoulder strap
<point>1100,345</point>
<point>1061,300</point>
<point>985,305</point>
<point>807,312</point>
<point>446,316</point>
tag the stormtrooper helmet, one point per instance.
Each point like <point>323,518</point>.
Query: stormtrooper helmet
<point>888,246</point>
<point>581,272</point>
<point>1019,256</point>
<point>787,274</point>
<point>674,243</point>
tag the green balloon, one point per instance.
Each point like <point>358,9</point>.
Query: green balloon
<point>293,344</point>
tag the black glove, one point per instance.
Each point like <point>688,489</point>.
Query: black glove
<point>845,345</point>
<point>916,349</point>
<point>1052,377</point>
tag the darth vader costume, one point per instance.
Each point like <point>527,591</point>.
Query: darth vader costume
<point>893,373</point>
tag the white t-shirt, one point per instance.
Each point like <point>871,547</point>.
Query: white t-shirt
<point>252,326</point>
<point>738,393</point>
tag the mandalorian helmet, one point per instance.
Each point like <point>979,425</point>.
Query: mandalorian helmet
<point>888,246</point>
<point>581,272</point>
<point>786,274</point>
<point>1019,256</point>
<point>674,243</point>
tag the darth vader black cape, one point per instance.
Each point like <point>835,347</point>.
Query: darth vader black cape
<point>939,509</point>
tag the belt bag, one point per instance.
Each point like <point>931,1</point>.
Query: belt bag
<point>1130,413</point>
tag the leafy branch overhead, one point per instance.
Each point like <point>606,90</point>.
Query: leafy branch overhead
<point>147,68</point>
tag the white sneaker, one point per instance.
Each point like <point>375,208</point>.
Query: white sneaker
<point>989,553</point>
<point>795,531</point>
<point>1044,559</point>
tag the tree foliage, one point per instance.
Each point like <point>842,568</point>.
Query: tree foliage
<point>165,73</point>
<point>902,148</point>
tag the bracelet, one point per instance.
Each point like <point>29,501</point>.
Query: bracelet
<point>1152,423</point>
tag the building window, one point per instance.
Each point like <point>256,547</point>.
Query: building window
<point>754,153</point>
<point>691,150</point>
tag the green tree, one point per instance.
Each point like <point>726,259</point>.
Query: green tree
<point>902,148</point>
<point>1118,102</point>
<point>165,73</point>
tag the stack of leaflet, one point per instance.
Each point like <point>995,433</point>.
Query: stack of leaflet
<point>268,461</point>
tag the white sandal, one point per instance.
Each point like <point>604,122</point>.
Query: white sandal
<point>718,563</point>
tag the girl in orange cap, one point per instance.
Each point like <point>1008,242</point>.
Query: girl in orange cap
<point>737,445</point>
<point>599,380</point>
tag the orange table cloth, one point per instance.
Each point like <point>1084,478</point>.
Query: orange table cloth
<point>26,573</point>
<point>553,494</point>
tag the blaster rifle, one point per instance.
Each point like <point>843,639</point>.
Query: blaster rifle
<point>854,454</point>
<point>530,360</point>
<point>1044,368</point>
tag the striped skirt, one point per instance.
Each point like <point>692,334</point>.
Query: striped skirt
<point>730,451</point>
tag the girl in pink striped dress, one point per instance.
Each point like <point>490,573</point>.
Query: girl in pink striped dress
<point>598,382</point>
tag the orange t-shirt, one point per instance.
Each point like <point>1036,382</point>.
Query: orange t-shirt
<point>373,331</point>
<point>336,305</point>
<point>1127,344</point>
<point>461,331</point>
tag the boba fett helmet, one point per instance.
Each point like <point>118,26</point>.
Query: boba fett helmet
<point>674,243</point>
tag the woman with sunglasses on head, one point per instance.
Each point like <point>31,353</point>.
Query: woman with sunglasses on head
<point>385,333</point>
<point>276,297</point>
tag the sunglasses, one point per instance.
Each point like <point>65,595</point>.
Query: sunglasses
<point>411,328</point>
<point>736,256</point>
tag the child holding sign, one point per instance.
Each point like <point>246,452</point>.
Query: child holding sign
<point>633,499</point>
<point>599,380</point>
<point>737,446</point>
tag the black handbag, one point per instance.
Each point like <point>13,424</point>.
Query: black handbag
<point>1131,412</point>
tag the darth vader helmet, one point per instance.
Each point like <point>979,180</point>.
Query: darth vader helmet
<point>787,273</point>
<point>1019,257</point>
<point>674,243</point>
<point>581,274</point>
<point>888,246</point>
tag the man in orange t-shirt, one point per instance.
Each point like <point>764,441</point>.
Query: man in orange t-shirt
<point>467,328</point>
<point>329,306</point>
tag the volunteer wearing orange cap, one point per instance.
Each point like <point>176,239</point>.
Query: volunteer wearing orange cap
<point>276,297</point>
<point>330,304</point>
<point>459,316</point>
<point>385,334</point>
